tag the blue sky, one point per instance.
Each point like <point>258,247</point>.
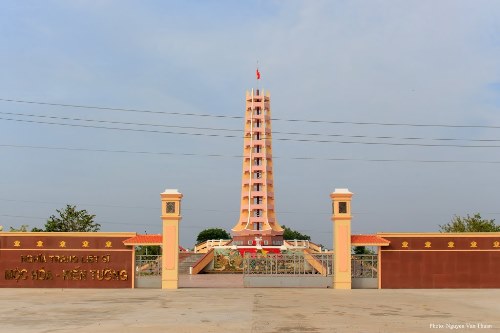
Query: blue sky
<point>415,62</point>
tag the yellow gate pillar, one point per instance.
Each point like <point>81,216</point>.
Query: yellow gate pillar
<point>341,218</point>
<point>170,216</point>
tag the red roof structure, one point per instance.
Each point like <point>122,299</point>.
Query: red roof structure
<point>369,240</point>
<point>144,240</point>
<point>155,239</point>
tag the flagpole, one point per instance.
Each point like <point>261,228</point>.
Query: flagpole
<point>257,74</point>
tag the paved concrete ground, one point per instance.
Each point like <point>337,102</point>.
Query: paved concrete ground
<point>248,310</point>
<point>211,281</point>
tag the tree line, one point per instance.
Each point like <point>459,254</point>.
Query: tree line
<point>71,219</point>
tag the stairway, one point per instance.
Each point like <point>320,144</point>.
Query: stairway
<point>187,260</point>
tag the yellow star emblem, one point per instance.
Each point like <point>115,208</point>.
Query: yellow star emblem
<point>17,243</point>
<point>39,243</point>
<point>108,244</point>
<point>62,244</point>
<point>85,244</point>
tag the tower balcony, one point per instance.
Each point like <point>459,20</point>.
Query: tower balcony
<point>247,181</point>
<point>261,155</point>
<point>254,129</point>
<point>258,219</point>
<point>262,206</point>
<point>257,181</point>
<point>244,194</point>
<point>261,142</point>
<point>262,194</point>
<point>263,168</point>
<point>257,206</point>
<point>256,98</point>
<point>258,116</point>
<point>258,194</point>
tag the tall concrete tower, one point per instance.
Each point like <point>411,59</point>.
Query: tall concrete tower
<point>257,222</point>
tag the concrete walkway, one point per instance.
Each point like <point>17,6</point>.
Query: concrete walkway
<point>211,281</point>
<point>248,310</point>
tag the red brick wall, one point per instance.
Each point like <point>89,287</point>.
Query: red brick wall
<point>434,262</point>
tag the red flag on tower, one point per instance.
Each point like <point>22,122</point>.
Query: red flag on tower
<point>258,74</point>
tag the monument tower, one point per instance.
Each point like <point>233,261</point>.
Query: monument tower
<point>257,224</point>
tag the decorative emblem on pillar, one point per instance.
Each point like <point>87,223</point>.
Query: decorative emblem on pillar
<point>404,244</point>
<point>473,244</point>
<point>427,244</point>
<point>451,244</point>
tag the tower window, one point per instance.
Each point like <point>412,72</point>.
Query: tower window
<point>257,226</point>
<point>170,207</point>
<point>342,207</point>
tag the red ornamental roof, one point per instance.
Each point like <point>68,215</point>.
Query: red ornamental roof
<point>144,240</point>
<point>369,240</point>
<point>147,240</point>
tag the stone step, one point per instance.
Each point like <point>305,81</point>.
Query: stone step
<point>187,260</point>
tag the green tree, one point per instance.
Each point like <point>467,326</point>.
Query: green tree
<point>148,249</point>
<point>362,250</point>
<point>290,234</point>
<point>71,219</point>
<point>470,224</point>
<point>212,233</point>
<point>22,228</point>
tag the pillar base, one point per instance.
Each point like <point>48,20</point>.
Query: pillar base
<point>169,284</point>
<point>341,285</point>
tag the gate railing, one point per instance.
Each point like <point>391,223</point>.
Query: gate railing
<point>364,266</point>
<point>286,264</point>
<point>147,265</point>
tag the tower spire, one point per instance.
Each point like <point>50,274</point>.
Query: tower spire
<point>257,214</point>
